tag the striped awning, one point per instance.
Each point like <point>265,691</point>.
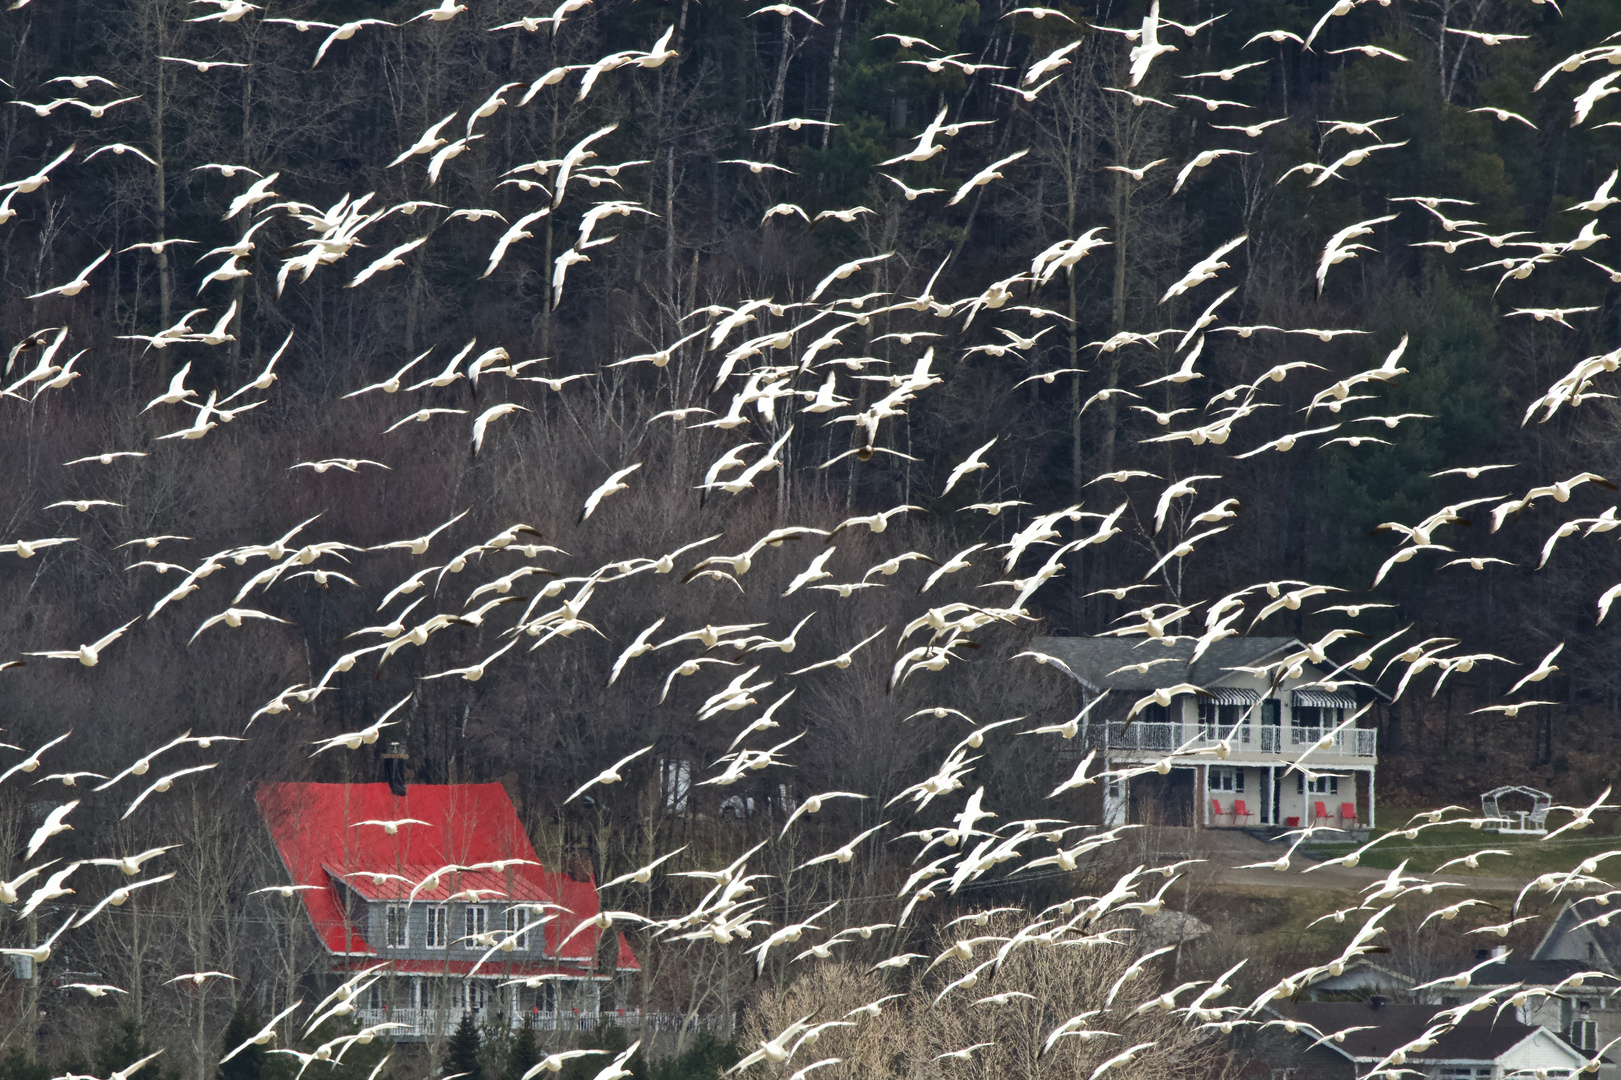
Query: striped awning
<point>1322,699</point>
<point>1235,695</point>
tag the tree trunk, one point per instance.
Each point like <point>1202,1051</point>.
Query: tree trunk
<point>161,211</point>
<point>833,72</point>
<point>1111,412</point>
<point>774,107</point>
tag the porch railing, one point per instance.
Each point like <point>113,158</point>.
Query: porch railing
<point>1166,737</point>
<point>422,1023</point>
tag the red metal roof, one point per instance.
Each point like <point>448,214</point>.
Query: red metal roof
<point>313,827</point>
<point>461,884</point>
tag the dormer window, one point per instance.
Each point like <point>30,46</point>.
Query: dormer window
<point>396,926</point>
<point>518,917</point>
<point>438,919</point>
<point>475,917</point>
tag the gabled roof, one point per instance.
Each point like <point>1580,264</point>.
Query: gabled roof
<point>1607,939</point>
<point>1093,658</point>
<point>462,884</point>
<point>314,830</point>
<point>1357,973</point>
<point>1476,1039</point>
<point>1533,973</point>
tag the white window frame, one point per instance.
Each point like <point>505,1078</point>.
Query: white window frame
<point>475,920</point>
<point>438,926</point>
<point>1327,784</point>
<point>397,926</point>
<point>516,918</point>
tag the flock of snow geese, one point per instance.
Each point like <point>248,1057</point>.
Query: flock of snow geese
<point>766,381</point>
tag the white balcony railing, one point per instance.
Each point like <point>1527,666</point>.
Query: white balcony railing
<point>422,1023</point>
<point>1268,739</point>
<point>1361,742</point>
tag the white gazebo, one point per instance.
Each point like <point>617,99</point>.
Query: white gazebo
<point>1533,821</point>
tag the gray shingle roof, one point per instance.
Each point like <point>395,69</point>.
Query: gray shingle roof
<point>1476,1038</point>
<point>1531,973</point>
<point>1093,658</point>
<point>1606,938</point>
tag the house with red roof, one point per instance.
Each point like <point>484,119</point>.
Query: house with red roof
<point>440,891</point>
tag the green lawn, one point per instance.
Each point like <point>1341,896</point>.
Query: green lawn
<point>1529,855</point>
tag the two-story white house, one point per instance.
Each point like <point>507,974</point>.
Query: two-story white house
<point>1582,1006</point>
<point>422,885</point>
<point>1230,745</point>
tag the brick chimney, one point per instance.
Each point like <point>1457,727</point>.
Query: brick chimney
<point>394,768</point>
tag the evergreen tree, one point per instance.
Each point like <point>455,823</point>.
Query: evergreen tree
<point>121,1048</point>
<point>707,1057</point>
<point>461,1054</point>
<point>524,1055</point>
<point>611,1039</point>
<point>249,1063</point>
<point>358,1061</point>
<point>17,1065</point>
<point>124,1047</point>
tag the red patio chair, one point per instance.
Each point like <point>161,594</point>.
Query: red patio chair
<point>1347,812</point>
<point>1215,809</point>
<point>1319,812</point>
<point>1240,811</point>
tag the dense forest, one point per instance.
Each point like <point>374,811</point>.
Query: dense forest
<point>749,188</point>
<point>326,130</point>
